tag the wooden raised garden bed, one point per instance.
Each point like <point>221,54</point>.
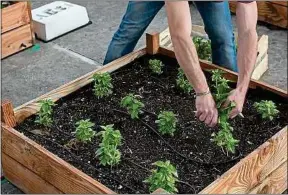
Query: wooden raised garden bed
<point>271,12</point>
<point>34,169</point>
<point>16,28</point>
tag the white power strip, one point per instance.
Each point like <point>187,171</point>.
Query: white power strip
<point>57,18</point>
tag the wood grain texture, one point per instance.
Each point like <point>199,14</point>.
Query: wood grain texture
<point>284,3</point>
<point>165,41</point>
<point>260,68</point>
<point>16,173</point>
<point>270,12</point>
<point>14,16</point>
<point>31,21</point>
<point>46,165</point>
<point>262,49</point>
<point>16,40</point>
<point>229,74</point>
<point>152,43</point>
<point>7,113</point>
<point>254,169</point>
<point>275,183</point>
<point>33,106</point>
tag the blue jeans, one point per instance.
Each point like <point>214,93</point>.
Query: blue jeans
<point>139,14</point>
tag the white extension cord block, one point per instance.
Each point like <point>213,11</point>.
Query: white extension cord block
<point>57,18</point>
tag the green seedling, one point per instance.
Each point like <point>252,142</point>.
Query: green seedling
<point>45,112</point>
<point>102,84</point>
<point>203,48</point>
<point>156,66</point>
<point>224,137</point>
<point>84,132</point>
<point>108,153</point>
<point>182,82</point>
<point>165,177</point>
<point>167,123</point>
<point>132,104</point>
<point>266,108</point>
<point>110,136</point>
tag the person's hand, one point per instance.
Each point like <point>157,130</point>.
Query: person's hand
<point>206,110</point>
<point>238,97</point>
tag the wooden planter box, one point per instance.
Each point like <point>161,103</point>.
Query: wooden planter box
<point>261,65</point>
<point>16,28</point>
<point>271,12</point>
<point>34,169</point>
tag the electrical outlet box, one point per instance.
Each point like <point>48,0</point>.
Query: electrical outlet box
<point>57,18</point>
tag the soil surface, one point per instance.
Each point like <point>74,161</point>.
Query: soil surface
<point>198,161</point>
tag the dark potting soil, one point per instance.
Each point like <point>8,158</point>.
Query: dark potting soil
<point>141,146</point>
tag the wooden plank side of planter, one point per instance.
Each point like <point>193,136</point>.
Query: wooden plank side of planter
<point>25,179</point>
<point>14,16</point>
<point>16,40</point>
<point>229,74</point>
<point>47,166</point>
<point>269,11</point>
<point>261,165</point>
<point>275,183</point>
<point>261,61</point>
<point>32,106</point>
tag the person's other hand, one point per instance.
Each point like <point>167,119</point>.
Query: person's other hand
<point>206,110</point>
<point>237,97</point>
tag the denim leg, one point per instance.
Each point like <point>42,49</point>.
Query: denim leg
<point>138,16</point>
<point>218,25</point>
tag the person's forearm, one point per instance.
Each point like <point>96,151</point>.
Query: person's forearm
<point>246,19</point>
<point>186,55</point>
<point>179,21</point>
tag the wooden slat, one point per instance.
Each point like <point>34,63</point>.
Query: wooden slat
<point>46,165</point>
<point>33,106</point>
<point>269,12</point>
<point>152,43</point>
<point>165,41</point>
<point>260,68</point>
<point>254,168</point>
<point>16,40</point>
<point>24,179</point>
<point>272,13</point>
<point>275,183</point>
<point>7,113</point>
<point>262,50</point>
<point>14,16</point>
<point>230,74</point>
